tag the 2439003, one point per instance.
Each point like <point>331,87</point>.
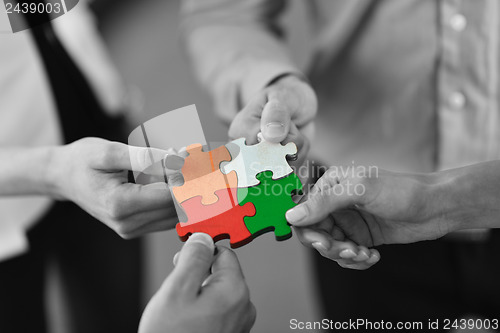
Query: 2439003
<point>470,324</point>
<point>26,8</point>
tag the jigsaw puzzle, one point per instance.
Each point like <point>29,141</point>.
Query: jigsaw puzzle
<point>224,219</point>
<point>196,211</point>
<point>200,163</point>
<point>237,191</point>
<point>206,186</point>
<point>252,160</point>
<point>202,175</point>
<point>272,198</point>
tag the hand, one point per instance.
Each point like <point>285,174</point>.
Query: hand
<point>281,112</point>
<point>343,216</point>
<point>204,293</point>
<point>93,173</point>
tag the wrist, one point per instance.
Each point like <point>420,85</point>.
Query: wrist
<point>51,179</point>
<point>445,198</point>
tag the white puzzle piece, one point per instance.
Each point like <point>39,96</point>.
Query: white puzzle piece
<point>252,160</point>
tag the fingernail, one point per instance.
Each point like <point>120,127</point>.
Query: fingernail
<point>173,162</point>
<point>202,239</point>
<point>275,130</point>
<point>347,254</point>
<point>362,256</point>
<point>319,246</point>
<point>296,214</point>
<point>176,258</point>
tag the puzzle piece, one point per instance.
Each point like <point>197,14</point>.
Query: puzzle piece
<point>199,163</point>
<point>202,175</point>
<point>197,212</point>
<point>228,224</point>
<point>255,159</point>
<point>234,149</point>
<point>205,186</point>
<point>272,198</point>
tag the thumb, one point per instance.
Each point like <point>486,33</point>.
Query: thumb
<point>193,264</point>
<point>275,121</point>
<point>174,164</point>
<point>226,272</point>
<point>153,161</point>
<point>322,200</point>
<point>246,123</point>
<point>226,261</point>
<point>147,160</point>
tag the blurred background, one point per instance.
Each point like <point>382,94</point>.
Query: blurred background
<point>143,40</point>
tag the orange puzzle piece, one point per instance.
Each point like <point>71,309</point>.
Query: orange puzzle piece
<point>205,186</point>
<point>202,175</point>
<point>200,163</point>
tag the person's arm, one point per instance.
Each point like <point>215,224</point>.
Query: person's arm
<point>236,48</point>
<point>468,197</point>
<point>239,55</point>
<point>206,292</point>
<point>349,214</point>
<point>93,173</point>
<point>23,171</point>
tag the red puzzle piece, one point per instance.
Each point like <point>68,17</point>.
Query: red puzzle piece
<point>227,199</point>
<point>222,220</point>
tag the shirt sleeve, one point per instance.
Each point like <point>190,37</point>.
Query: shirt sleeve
<point>13,242</point>
<point>236,48</point>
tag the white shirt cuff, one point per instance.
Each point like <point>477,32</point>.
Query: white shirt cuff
<point>13,242</point>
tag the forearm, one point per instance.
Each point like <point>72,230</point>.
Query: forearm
<point>469,197</point>
<point>235,48</point>
<point>24,171</point>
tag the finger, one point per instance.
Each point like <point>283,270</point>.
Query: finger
<point>175,179</point>
<point>299,97</point>
<point>326,245</point>
<point>162,223</point>
<point>251,317</point>
<point>320,232</point>
<point>308,236</point>
<point>139,223</point>
<point>226,280</point>
<point>275,120</point>
<point>246,124</point>
<point>193,263</point>
<point>145,217</point>
<point>128,199</point>
<point>173,162</point>
<point>351,264</point>
<point>337,250</point>
<point>175,260</point>
<point>119,156</point>
<point>374,257</point>
<point>145,179</point>
<point>353,261</point>
<point>363,254</point>
<point>360,266</point>
<point>329,197</point>
<point>226,272</point>
<point>302,143</point>
<point>226,261</point>
<point>154,161</point>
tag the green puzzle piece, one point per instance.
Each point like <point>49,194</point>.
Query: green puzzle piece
<point>272,198</point>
